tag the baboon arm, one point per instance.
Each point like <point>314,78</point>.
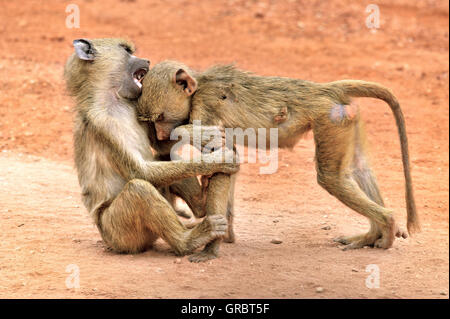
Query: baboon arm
<point>128,149</point>
<point>165,173</point>
<point>204,135</point>
<point>199,137</point>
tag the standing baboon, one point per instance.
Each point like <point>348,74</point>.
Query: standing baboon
<point>119,179</point>
<point>226,96</point>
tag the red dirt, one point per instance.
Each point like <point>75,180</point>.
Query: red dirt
<point>44,227</point>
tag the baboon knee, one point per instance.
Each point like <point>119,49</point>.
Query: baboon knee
<point>328,182</point>
<point>139,187</point>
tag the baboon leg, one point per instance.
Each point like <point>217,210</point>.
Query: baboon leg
<point>172,200</point>
<point>190,190</point>
<point>335,158</point>
<point>364,176</point>
<point>216,205</point>
<point>140,214</point>
<point>230,237</point>
<point>365,179</point>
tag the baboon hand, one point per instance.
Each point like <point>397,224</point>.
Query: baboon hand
<point>224,161</point>
<point>213,138</point>
<point>218,225</point>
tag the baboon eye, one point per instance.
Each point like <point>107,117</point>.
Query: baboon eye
<point>223,97</point>
<point>128,49</point>
<point>160,117</point>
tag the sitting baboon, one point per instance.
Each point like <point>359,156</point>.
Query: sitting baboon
<point>228,97</point>
<point>119,178</point>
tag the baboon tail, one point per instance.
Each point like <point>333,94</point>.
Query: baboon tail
<point>357,88</point>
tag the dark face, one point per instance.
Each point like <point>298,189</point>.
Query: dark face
<point>131,86</point>
<point>114,59</point>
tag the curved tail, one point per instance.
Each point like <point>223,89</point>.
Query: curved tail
<point>357,88</point>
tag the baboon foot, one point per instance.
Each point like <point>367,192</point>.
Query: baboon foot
<point>389,232</point>
<point>400,233</point>
<point>211,251</point>
<point>358,241</point>
<point>379,238</point>
<point>230,238</point>
<point>202,256</point>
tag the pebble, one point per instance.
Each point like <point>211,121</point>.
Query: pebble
<point>178,261</point>
<point>443,293</point>
<point>276,241</point>
<point>355,270</point>
<point>319,289</point>
<point>326,228</point>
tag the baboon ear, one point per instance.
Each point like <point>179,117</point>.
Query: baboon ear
<point>84,49</point>
<point>186,81</point>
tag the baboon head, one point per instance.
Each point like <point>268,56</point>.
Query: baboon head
<point>172,94</point>
<point>105,64</point>
<point>166,94</point>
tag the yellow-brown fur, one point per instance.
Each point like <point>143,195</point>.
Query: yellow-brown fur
<point>119,177</point>
<point>226,96</point>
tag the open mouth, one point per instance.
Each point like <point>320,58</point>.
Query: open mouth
<point>138,76</point>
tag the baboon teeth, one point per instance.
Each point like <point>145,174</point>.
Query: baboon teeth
<point>138,83</point>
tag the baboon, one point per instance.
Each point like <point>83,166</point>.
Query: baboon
<point>223,95</point>
<point>119,177</point>
<point>215,195</point>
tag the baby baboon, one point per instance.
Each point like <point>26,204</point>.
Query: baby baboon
<point>224,95</point>
<point>215,195</point>
<point>119,179</point>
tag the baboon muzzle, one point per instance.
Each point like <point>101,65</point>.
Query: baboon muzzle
<point>131,87</point>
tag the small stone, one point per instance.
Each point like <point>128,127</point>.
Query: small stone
<point>276,241</point>
<point>319,290</point>
<point>178,261</point>
<point>355,270</point>
<point>326,228</point>
<point>275,221</point>
<point>443,293</point>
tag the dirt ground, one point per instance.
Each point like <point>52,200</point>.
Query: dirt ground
<point>44,228</point>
